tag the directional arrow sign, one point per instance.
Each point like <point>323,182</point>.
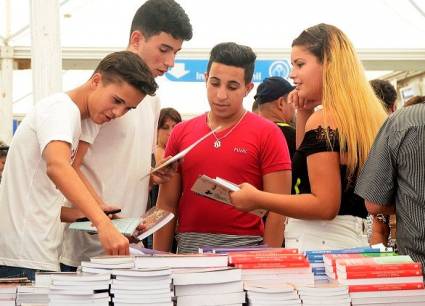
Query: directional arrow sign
<point>190,70</point>
<point>178,71</point>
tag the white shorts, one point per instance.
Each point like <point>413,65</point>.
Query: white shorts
<point>340,233</point>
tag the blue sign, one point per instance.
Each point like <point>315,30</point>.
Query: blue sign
<point>194,70</point>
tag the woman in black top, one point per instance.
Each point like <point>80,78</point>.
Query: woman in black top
<point>323,212</point>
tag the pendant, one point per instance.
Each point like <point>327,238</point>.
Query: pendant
<point>217,144</point>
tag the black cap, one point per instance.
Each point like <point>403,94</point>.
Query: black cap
<point>271,89</point>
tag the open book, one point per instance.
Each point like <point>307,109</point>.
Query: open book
<point>153,220</point>
<point>181,154</point>
<point>219,189</point>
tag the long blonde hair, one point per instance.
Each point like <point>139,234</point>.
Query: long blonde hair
<point>347,97</point>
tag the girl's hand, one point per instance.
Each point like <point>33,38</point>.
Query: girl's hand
<point>302,104</point>
<point>244,199</point>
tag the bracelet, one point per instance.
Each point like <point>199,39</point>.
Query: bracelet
<point>381,218</point>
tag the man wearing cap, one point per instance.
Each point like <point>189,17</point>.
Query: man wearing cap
<point>273,105</point>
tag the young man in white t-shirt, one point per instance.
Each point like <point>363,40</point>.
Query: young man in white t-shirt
<point>157,32</point>
<point>39,172</point>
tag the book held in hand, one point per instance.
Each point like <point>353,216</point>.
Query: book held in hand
<point>219,189</point>
<point>153,220</point>
<point>181,154</point>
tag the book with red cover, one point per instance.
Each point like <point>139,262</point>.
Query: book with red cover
<point>380,274</point>
<point>276,257</point>
<point>382,280</point>
<point>330,259</point>
<point>266,252</point>
<point>374,263</point>
<point>386,287</point>
<point>267,265</point>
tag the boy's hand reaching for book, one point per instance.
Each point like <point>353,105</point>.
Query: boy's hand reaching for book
<point>113,242</point>
<point>244,198</point>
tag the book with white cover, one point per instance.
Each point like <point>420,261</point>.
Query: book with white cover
<point>145,272</point>
<point>219,189</point>
<point>228,287</point>
<point>181,260</point>
<point>89,264</point>
<point>111,260</point>
<point>206,276</point>
<point>80,277</point>
<point>153,220</point>
<point>181,154</point>
<point>211,299</point>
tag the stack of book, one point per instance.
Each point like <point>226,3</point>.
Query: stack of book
<point>315,258</point>
<point>273,266</point>
<point>32,294</point>
<point>38,292</point>
<point>393,294</point>
<point>392,274</point>
<point>321,293</point>
<point>8,288</point>
<point>322,270</point>
<point>329,260</point>
<point>180,261</point>
<point>105,264</point>
<point>142,287</point>
<point>208,286</point>
<point>79,289</point>
<point>273,294</point>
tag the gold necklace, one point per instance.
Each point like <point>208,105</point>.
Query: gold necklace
<point>217,142</point>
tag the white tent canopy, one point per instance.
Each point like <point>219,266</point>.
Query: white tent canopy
<point>389,35</point>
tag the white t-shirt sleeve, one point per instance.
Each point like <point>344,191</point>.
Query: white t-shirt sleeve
<point>156,107</point>
<point>89,131</point>
<point>58,121</point>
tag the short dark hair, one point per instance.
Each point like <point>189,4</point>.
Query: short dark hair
<point>232,54</point>
<point>126,66</point>
<point>168,113</point>
<point>385,92</point>
<point>156,16</point>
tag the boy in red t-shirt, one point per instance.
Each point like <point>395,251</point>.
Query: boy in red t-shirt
<point>245,148</point>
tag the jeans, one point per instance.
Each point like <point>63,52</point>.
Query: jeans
<point>66,268</point>
<point>9,272</point>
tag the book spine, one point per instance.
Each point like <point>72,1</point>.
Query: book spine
<point>259,258</point>
<point>379,267</point>
<point>380,274</point>
<point>265,252</point>
<point>385,287</point>
<point>265,265</point>
<point>344,251</point>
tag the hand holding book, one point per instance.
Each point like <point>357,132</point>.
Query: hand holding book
<point>222,190</point>
<point>244,198</point>
<point>181,154</point>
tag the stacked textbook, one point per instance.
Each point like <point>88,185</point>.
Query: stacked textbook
<point>329,259</point>
<point>79,289</point>
<point>322,269</point>
<point>271,266</point>
<point>259,294</point>
<point>395,280</point>
<point>208,286</point>
<point>8,288</point>
<point>142,287</point>
<point>322,293</point>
